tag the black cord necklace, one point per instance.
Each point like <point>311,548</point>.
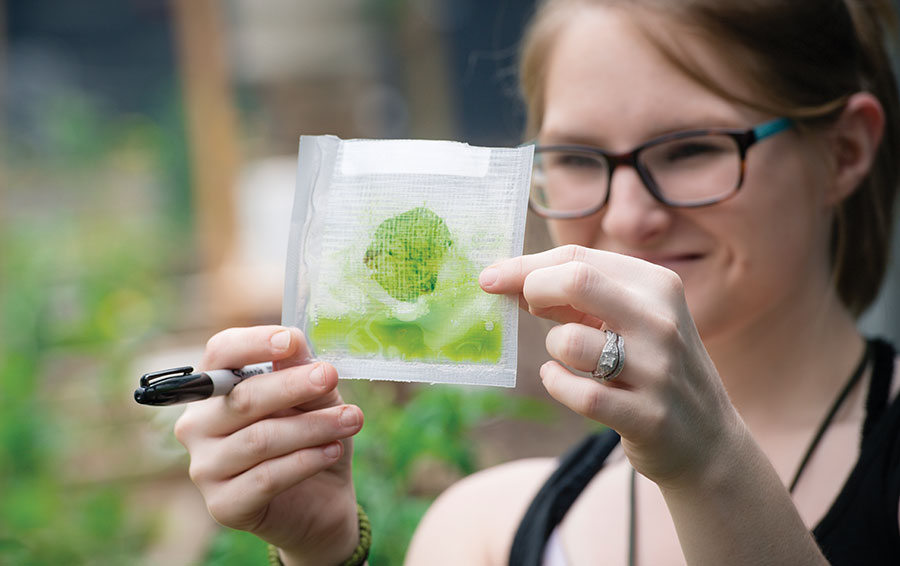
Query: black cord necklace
<point>820,432</point>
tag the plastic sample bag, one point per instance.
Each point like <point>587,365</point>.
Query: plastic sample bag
<point>388,238</point>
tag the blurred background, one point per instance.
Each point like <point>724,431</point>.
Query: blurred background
<point>146,180</point>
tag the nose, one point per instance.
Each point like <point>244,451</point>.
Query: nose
<point>632,216</point>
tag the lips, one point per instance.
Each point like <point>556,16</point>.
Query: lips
<point>672,261</point>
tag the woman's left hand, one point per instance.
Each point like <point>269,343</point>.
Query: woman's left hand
<point>668,403</point>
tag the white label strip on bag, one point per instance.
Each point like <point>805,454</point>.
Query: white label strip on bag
<point>424,157</point>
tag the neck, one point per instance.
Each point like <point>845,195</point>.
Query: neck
<point>790,362</point>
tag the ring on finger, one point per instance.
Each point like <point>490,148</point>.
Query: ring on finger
<point>612,358</point>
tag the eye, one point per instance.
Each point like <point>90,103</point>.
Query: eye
<point>694,148</point>
<point>572,160</point>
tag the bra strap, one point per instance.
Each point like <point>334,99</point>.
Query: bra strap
<point>575,471</point>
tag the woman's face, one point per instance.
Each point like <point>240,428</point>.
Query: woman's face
<point>741,260</point>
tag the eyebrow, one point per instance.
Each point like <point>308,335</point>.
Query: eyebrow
<point>595,139</point>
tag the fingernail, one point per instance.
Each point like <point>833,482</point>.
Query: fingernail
<point>332,451</point>
<point>488,276</point>
<point>281,340</point>
<point>317,376</point>
<point>348,418</point>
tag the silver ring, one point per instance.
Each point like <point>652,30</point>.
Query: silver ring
<point>612,358</point>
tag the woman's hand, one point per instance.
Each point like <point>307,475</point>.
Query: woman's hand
<point>273,456</point>
<point>668,403</point>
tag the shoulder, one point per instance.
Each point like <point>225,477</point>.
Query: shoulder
<point>474,521</point>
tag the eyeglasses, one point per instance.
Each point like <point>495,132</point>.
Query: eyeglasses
<point>683,169</point>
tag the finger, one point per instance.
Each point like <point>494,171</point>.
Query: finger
<point>239,502</point>
<point>310,387</point>
<point>237,347</point>
<point>298,355</point>
<point>576,345</point>
<point>578,287</point>
<point>564,314</point>
<point>610,403</point>
<point>275,437</point>
<point>508,276</point>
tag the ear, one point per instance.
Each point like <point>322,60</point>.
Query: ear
<point>853,143</point>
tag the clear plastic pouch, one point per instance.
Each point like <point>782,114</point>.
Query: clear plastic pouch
<point>387,240</point>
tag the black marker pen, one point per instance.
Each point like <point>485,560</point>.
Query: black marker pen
<point>182,385</point>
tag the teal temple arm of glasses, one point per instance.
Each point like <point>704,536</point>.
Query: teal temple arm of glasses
<point>772,127</point>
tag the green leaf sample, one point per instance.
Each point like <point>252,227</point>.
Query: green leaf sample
<point>415,296</point>
<point>406,253</point>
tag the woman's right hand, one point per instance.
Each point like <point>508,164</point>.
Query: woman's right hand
<point>273,456</point>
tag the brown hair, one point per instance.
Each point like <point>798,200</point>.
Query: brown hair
<point>802,59</point>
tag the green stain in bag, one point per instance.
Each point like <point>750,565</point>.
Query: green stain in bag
<point>413,259</point>
<point>392,338</point>
<point>406,253</point>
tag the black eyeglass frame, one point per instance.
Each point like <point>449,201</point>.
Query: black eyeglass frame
<point>744,139</point>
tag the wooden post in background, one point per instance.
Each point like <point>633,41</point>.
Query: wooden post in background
<point>3,132</point>
<point>211,124</point>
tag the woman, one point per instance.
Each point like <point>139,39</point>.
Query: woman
<point>730,230</point>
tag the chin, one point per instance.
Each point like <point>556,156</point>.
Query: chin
<point>713,314</point>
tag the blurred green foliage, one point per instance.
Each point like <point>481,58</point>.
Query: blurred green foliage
<point>94,291</point>
<point>81,289</point>
<point>91,285</point>
<point>90,292</point>
<point>86,282</point>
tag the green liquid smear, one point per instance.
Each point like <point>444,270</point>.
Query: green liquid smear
<point>392,338</point>
<point>423,301</point>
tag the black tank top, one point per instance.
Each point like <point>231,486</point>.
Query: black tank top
<point>860,528</point>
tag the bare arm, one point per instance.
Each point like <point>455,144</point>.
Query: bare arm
<point>739,512</point>
<point>678,426</point>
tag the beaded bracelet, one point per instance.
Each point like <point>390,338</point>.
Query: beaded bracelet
<point>360,553</point>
